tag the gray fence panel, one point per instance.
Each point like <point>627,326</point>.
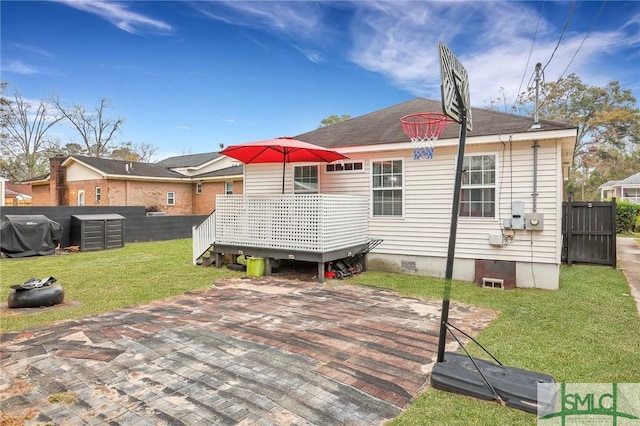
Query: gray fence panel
<point>138,226</point>
<point>589,232</point>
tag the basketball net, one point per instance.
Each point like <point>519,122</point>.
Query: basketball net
<point>424,129</point>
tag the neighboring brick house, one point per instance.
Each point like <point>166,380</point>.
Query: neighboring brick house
<point>183,185</point>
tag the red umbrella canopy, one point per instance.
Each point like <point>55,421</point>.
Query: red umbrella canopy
<point>281,150</point>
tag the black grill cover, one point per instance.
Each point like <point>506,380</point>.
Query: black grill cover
<point>29,235</point>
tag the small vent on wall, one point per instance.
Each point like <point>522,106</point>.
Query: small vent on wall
<point>408,265</point>
<point>492,283</point>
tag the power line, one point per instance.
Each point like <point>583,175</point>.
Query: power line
<point>593,23</point>
<point>566,24</point>
<point>533,42</point>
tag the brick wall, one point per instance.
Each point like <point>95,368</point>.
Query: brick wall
<point>148,193</point>
<point>40,195</point>
<point>89,188</point>
<point>205,202</point>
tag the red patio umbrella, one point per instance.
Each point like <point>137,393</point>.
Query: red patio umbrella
<point>281,150</point>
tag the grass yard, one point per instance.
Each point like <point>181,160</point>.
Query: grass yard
<point>588,331</point>
<point>104,280</point>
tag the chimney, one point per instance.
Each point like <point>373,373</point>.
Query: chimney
<point>58,190</point>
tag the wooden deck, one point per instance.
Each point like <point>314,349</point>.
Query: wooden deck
<point>316,228</point>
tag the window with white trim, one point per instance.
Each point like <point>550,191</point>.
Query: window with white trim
<point>171,198</point>
<point>345,166</point>
<point>228,188</point>
<point>387,187</point>
<point>199,188</point>
<point>478,195</point>
<point>631,194</point>
<point>98,193</point>
<point>305,180</point>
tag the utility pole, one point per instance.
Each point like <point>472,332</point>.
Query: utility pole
<point>536,118</point>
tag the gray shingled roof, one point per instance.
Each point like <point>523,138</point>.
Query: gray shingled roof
<point>119,167</point>
<point>631,180</point>
<point>383,126</point>
<point>227,171</point>
<point>609,184</point>
<point>193,160</point>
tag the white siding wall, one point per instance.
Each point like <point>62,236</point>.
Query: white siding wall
<point>221,163</point>
<point>77,172</point>
<point>423,231</point>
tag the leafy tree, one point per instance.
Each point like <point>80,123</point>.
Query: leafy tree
<point>24,137</point>
<point>95,129</point>
<point>124,152</point>
<point>333,119</point>
<point>607,119</point>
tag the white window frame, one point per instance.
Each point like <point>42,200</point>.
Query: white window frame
<point>400,188</point>
<point>482,186</point>
<point>98,194</point>
<point>306,191</point>
<point>171,198</point>
<point>228,187</point>
<point>345,167</point>
<point>631,194</point>
<point>81,198</point>
<point>198,188</point>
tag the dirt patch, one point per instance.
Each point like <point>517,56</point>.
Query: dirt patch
<point>18,387</point>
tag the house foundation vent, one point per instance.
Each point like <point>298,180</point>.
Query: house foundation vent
<point>492,283</point>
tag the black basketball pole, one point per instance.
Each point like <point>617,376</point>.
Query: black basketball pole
<point>455,208</point>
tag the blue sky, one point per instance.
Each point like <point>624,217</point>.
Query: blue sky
<point>189,75</point>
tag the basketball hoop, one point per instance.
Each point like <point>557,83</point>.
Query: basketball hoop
<point>424,128</point>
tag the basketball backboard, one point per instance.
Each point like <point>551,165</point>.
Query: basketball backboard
<point>453,74</point>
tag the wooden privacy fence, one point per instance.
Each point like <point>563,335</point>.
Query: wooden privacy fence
<point>589,232</point>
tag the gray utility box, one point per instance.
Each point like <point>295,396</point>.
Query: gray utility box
<point>97,231</point>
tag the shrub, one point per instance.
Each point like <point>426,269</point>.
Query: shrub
<point>626,216</point>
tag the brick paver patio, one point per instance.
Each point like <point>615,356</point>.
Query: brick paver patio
<point>263,351</point>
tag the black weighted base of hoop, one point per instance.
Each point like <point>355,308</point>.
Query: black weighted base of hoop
<point>423,152</point>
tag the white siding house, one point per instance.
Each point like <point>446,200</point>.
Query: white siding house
<point>508,165</point>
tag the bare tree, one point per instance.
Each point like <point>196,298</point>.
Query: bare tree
<point>25,125</point>
<point>130,151</point>
<point>145,151</point>
<point>95,128</point>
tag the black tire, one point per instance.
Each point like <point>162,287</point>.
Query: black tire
<point>358,267</point>
<point>339,275</point>
<point>237,267</point>
<point>36,297</point>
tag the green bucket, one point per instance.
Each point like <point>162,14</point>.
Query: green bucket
<point>256,266</point>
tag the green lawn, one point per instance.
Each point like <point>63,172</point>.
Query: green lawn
<point>104,280</point>
<point>588,331</point>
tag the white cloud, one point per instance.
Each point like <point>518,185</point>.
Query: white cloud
<point>32,50</point>
<point>295,18</point>
<point>492,40</point>
<point>119,15</point>
<point>19,67</point>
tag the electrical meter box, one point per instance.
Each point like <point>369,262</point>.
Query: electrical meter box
<point>517,215</point>
<point>534,221</point>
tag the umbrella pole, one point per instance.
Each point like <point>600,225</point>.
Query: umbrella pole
<point>284,163</point>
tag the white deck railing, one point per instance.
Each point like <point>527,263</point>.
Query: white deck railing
<point>305,222</point>
<point>203,236</point>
